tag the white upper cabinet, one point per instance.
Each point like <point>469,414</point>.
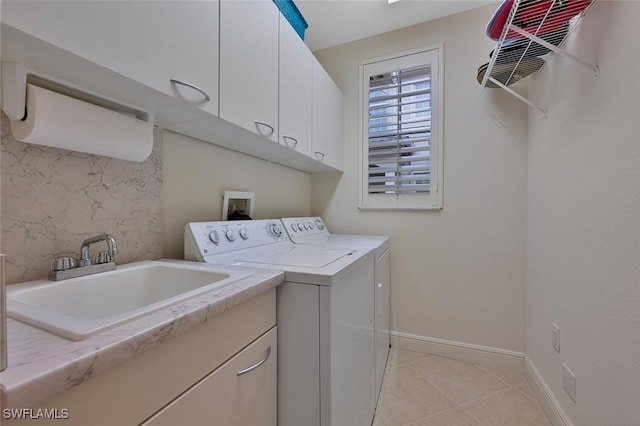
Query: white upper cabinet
<point>327,118</point>
<point>149,42</point>
<point>249,65</point>
<point>296,90</point>
<point>186,63</point>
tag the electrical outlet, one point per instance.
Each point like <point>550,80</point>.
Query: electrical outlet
<point>555,337</point>
<point>569,381</point>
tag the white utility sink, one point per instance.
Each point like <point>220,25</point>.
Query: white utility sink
<point>81,307</point>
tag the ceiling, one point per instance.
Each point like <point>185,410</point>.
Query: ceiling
<point>334,22</point>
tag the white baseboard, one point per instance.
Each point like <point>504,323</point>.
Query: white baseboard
<point>467,352</point>
<point>550,404</point>
<point>486,355</point>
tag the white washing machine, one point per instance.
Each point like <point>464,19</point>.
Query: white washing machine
<point>324,317</point>
<point>313,231</point>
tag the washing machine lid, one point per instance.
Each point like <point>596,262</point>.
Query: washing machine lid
<point>305,257</point>
<point>378,242</point>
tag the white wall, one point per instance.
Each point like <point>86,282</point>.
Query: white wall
<point>584,219</point>
<point>197,173</point>
<point>457,274</point>
<point>55,198</point>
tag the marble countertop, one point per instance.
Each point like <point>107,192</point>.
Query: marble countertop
<point>42,364</point>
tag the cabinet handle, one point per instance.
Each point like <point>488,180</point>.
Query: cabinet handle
<point>196,88</point>
<point>270,127</point>
<point>319,155</point>
<point>257,364</point>
<point>295,141</point>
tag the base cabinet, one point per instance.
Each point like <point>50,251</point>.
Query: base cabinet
<point>189,379</point>
<point>242,392</point>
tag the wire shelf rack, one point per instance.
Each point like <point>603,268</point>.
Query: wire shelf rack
<point>531,30</point>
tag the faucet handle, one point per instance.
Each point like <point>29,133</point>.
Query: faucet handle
<point>103,257</point>
<point>62,263</point>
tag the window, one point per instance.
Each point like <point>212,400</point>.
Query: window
<point>401,137</point>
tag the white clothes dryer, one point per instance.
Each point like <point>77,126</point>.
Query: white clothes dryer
<point>325,324</point>
<point>313,231</point>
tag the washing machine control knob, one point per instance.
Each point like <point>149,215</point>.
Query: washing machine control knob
<point>293,227</point>
<point>319,224</point>
<point>244,233</point>
<point>214,237</point>
<point>275,230</point>
<point>231,235</point>
<point>300,227</point>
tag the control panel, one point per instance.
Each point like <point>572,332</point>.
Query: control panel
<point>298,227</point>
<point>207,238</point>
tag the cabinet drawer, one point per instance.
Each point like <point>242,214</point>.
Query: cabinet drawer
<point>241,392</point>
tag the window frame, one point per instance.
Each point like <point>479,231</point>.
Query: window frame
<point>421,201</point>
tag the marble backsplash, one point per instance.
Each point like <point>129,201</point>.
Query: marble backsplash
<point>52,199</point>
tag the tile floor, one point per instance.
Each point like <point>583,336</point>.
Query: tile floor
<point>428,390</point>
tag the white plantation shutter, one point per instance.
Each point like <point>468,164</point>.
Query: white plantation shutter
<point>399,149</point>
<point>400,131</point>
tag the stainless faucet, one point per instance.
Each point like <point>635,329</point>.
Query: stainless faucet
<point>65,267</point>
<point>102,257</point>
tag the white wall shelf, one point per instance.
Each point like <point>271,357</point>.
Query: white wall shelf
<point>533,30</point>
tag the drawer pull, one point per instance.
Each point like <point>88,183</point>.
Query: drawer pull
<point>286,140</point>
<point>319,155</point>
<point>268,126</point>
<point>257,364</point>
<point>196,88</point>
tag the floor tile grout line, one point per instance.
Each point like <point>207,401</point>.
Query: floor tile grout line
<point>415,360</point>
<point>511,388</point>
<point>463,407</point>
<point>486,368</point>
<point>533,397</point>
<point>448,410</point>
<point>384,418</point>
<point>470,414</point>
<point>423,377</point>
<point>437,389</point>
<point>435,386</point>
<point>487,396</point>
<point>434,416</point>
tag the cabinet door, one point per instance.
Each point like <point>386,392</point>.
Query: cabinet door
<point>296,90</point>
<point>249,65</point>
<point>149,42</point>
<point>242,392</point>
<point>327,118</point>
<point>382,325</point>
